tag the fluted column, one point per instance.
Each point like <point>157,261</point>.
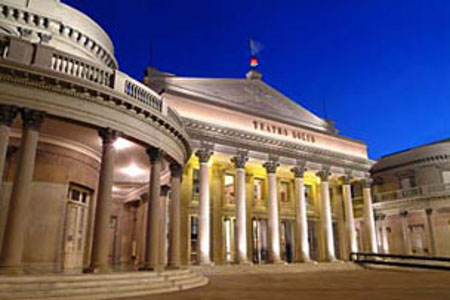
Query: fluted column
<point>174,260</point>
<point>405,233</point>
<point>369,219</point>
<point>204,224</point>
<point>274,222</point>
<point>152,240</point>
<point>101,236</point>
<point>163,225</point>
<point>301,217</point>
<point>18,212</point>
<point>430,232</point>
<point>350,219</point>
<point>325,216</point>
<point>241,209</point>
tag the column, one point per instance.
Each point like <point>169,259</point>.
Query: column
<point>301,217</point>
<point>405,233</point>
<point>430,232</point>
<point>152,239</point>
<point>204,224</point>
<point>349,217</point>
<point>174,260</point>
<point>164,201</point>
<point>18,212</point>
<point>325,216</point>
<point>274,223</point>
<point>241,209</point>
<point>101,239</point>
<point>384,235</point>
<point>369,219</point>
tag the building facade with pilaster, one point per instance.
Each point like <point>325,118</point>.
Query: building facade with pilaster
<point>412,195</point>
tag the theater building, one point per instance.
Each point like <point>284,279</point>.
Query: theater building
<point>412,191</point>
<point>102,172</point>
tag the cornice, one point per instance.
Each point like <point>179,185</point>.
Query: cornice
<point>255,142</point>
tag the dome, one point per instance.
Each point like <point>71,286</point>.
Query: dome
<point>58,25</point>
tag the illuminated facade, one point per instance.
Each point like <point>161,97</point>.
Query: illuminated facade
<point>412,191</point>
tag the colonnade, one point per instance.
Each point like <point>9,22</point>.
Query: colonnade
<point>302,240</point>
<point>11,256</point>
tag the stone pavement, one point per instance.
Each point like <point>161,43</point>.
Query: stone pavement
<point>348,284</point>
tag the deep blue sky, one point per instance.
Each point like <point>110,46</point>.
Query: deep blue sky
<point>382,66</point>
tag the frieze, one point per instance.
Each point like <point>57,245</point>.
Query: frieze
<point>281,130</point>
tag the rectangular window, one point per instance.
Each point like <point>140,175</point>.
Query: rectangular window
<point>193,238</point>
<point>258,189</point>
<point>284,192</point>
<point>195,183</point>
<point>308,194</point>
<point>446,177</point>
<point>229,189</point>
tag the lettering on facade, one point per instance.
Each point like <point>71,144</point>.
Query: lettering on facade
<point>296,134</point>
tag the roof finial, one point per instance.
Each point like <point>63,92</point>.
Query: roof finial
<point>255,48</point>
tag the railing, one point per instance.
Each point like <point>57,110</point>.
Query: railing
<point>410,261</point>
<point>416,192</point>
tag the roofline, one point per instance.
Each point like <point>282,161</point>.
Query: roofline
<point>417,147</point>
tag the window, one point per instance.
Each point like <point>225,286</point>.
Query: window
<point>308,194</point>
<point>229,189</point>
<point>193,238</point>
<point>408,182</point>
<point>195,182</point>
<point>446,177</point>
<point>284,192</point>
<point>258,189</point>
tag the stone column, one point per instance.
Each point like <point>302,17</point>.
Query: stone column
<point>430,232</point>
<point>349,217</point>
<point>101,239</point>
<point>301,217</point>
<point>274,223</point>
<point>7,115</point>
<point>384,236</point>
<point>18,212</point>
<point>174,260</point>
<point>241,209</point>
<point>163,225</point>
<point>405,233</point>
<point>204,223</point>
<point>325,216</point>
<point>369,219</point>
<point>152,239</point>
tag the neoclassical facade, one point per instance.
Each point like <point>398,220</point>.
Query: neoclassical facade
<point>102,172</point>
<point>412,191</point>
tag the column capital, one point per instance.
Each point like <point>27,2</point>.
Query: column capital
<point>32,119</point>
<point>165,190</point>
<point>367,182</point>
<point>346,179</point>
<point>429,211</point>
<point>155,154</point>
<point>299,171</point>
<point>271,166</point>
<point>203,154</point>
<point>239,160</point>
<point>404,213</point>
<point>324,174</point>
<point>176,170</point>
<point>108,135</point>
<point>7,114</point>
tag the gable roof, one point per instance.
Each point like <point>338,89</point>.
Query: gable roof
<point>251,96</point>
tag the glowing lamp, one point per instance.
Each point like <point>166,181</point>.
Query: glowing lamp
<point>254,62</point>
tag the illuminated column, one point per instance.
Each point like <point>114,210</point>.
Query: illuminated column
<point>349,220</point>
<point>152,239</point>
<point>241,210</point>
<point>384,237</point>
<point>405,233</point>
<point>101,239</point>
<point>325,216</point>
<point>18,212</point>
<point>274,224</point>
<point>204,230</point>
<point>430,232</point>
<point>369,219</point>
<point>163,225</point>
<point>176,172</point>
<point>301,217</point>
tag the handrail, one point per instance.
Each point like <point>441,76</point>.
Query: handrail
<point>415,192</point>
<point>400,260</point>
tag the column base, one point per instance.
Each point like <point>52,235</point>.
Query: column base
<point>98,269</point>
<point>206,264</point>
<point>305,261</point>
<point>277,262</point>
<point>16,270</point>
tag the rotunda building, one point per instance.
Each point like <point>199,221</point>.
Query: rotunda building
<point>78,139</point>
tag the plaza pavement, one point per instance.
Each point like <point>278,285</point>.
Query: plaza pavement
<point>333,284</point>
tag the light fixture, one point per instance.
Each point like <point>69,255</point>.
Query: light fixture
<point>133,170</point>
<point>122,143</point>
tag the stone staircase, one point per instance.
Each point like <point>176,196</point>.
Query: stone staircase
<point>98,286</point>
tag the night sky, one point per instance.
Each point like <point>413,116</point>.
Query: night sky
<point>381,66</point>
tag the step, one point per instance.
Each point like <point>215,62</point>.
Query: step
<point>196,284</point>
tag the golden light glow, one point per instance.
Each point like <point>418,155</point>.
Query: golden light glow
<point>133,170</point>
<point>121,144</point>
